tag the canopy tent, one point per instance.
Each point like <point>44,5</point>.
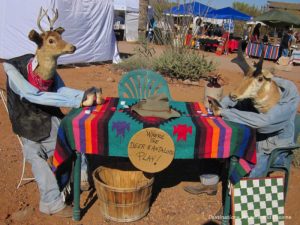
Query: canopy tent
<point>278,18</point>
<point>228,13</point>
<point>127,5</point>
<point>255,22</point>
<point>194,8</point>
<point>88,25</point>
<point>131,11</point>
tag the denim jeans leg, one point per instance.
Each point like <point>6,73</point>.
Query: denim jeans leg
<point>261,165</point>
<point>285,52</point>
<point>36,153</point>
<point>84,168</point>
<point>50,197</point>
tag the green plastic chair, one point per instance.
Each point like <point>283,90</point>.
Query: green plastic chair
<point>284,150</point>
<point>142,84</point>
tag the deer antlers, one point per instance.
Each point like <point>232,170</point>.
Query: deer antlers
<point>51,21</point>
<point>242,63</point>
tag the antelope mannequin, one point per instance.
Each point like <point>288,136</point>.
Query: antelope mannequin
<point>264,102</point>
<point>35,92</point>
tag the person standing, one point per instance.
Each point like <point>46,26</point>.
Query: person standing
<point>247,33</point>
<point>256,33</point>
<point>285,44</point>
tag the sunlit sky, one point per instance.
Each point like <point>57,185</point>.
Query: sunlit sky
<point>225,3</point>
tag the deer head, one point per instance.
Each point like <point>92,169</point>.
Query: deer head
<point>257,84</point>
<point>50,45</point>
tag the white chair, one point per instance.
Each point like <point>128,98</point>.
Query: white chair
<point>24,161</point>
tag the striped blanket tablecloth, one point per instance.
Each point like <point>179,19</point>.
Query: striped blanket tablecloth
<point>108,129</point>
<point>255,50</point>
<point>295,57</point>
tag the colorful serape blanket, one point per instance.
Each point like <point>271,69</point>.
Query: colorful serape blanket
<point>255,50</point>
<point>108,128</point>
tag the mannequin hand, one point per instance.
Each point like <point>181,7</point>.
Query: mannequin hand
<point>214,105</point>
<point>90,95</point>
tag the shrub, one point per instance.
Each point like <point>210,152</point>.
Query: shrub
<point>142,59</point>
<point>183,64</point>
<point>134,62</point>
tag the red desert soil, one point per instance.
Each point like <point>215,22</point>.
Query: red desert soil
<point>172,205</point>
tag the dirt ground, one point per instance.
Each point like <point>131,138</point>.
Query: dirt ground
<point>170,205</point>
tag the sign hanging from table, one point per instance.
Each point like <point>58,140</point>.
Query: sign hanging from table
<point>151,150</point>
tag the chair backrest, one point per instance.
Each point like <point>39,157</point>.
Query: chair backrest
<point>297,127</point>
<point>142,84</point>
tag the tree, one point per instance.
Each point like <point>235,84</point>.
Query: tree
<point>246,8</point>
<point>143,18</point>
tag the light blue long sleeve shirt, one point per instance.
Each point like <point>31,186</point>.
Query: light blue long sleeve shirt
<point>61,97</point>
<point>279,119</point>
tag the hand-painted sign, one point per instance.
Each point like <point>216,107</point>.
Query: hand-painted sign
<point>151,150</point>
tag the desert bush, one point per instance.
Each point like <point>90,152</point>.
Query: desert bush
<point>183,64</point>
<point>134,62</point>
<point>177,61</point>
<point>142,59</point>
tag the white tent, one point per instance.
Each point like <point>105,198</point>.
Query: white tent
<point>131,9</point>
<point>88,25</point>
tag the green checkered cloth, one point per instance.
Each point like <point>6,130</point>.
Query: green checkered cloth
<point>258,201</point>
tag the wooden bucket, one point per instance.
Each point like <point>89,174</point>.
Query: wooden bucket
<point>124,193</point>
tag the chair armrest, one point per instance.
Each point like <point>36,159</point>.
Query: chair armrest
<point>285,149</point>
<point>276,152</point>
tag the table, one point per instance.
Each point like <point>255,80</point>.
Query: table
<point>255,50</point>
<point>108,129</point>
<point>208,44</point>
<point>232,45</point>
<point>295,57</point>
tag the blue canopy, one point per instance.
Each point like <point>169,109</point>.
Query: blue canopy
<point>194,8</point>
<point>228,13</point>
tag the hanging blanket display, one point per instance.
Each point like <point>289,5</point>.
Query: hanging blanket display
<point>107,129</point>
<point>255,50</point>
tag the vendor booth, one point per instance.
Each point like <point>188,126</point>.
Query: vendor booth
<point>276,20</point>
<point>224,43</point>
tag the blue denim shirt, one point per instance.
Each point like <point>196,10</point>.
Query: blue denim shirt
<point>279,119</point>
<point>62,97</point>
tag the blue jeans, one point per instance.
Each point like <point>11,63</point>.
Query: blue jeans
<point>262,161</point>
<point>36,153</point>
<point>285,52</point>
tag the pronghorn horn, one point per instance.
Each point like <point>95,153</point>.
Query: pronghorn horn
<point>40,17</point>
<point>259,64</point>
<point>241,61</point>
<point>52,21</point>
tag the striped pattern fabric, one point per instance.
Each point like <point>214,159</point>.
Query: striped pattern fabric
<point>255,50</point>
<point>295,57</point>
<point>108,129</point>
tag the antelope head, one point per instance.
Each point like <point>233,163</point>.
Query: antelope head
<point>50,45</point>
<point>257,84</point>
